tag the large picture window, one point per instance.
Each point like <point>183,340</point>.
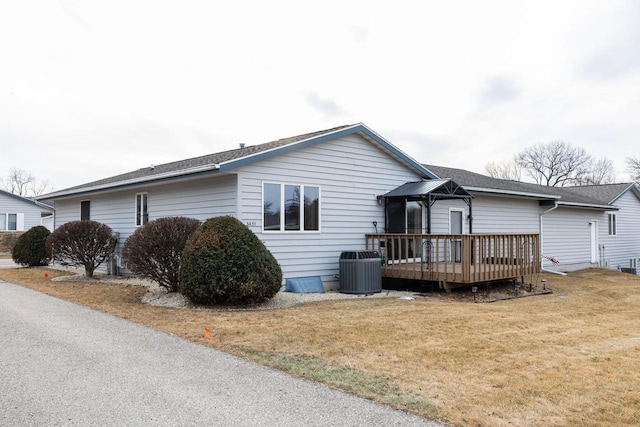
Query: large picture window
<point>142,215</point>
<point>290,207</point>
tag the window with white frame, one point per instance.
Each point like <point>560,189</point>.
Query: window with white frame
<point>613,225</point>
<point>8,222</point>
<point>290,207</point>
<point>142,214</point>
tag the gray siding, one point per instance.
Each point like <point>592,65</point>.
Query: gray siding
<point>200,199</point>
<point>567,237</point>
<point>29,214</point>
<point>618,249</point>
<point>490,215</point>
<point>351,173</point>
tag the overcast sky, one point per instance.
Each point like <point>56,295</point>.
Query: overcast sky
<point>91,89</point>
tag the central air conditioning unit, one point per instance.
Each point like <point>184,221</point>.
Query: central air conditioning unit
<point>634,263</point>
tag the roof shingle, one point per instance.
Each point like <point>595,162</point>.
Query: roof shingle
<point>592,195</point>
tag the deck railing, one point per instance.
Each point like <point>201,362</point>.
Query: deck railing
<point>457,258</point>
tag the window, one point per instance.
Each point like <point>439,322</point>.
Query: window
<point>8,222</point>
<point>142,215</point>
<point>85,210</point>
<point>613,225</point>
<point>288,207</point>
<point>414,217</point>
<point>403,216</point>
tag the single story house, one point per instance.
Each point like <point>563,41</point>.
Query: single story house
<point>307,197</point>
<point>579,227</point>
<point>18,214</point>
<point>311,197</point>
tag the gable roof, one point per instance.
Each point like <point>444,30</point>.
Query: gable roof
<point>231,159</point>
<point>606,193</point>
<point>439,188</point>
<point>479,183</point>
<point>26,200</point>
<point>595,196</point>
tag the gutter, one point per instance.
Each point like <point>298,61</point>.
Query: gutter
<point>511,193</point>
<point>555,206</point>
<point>589,206</point>
<point>74,191</point>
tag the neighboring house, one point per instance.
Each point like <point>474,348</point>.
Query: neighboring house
<point>308,198</point>
<point>19,213</point>
<point>579,226</point>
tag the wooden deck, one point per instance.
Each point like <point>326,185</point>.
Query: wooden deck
<point>455,260</point>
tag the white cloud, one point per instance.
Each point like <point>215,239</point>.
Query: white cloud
<point>91,89</point>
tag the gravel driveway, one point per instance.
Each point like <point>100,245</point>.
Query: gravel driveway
<point>63,364</point>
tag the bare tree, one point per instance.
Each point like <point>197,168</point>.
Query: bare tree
<point>40,187</point>
<point>504,170</point>
<point>599,172</point>
<point>24,184</point>
<point>633,168</point>
<point>555,164</point>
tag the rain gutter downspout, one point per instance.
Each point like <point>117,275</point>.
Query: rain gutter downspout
<point>555,206</point>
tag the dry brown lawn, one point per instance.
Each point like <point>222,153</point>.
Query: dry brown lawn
<point>568,358</point>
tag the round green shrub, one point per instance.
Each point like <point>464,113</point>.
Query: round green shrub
<point>154,250</point>
<point>225,263</point>
<point>31,247</point>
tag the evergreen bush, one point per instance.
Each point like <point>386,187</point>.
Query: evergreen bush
<point>86,243</point>
<point>225,263</point>
<point>31,249</point>
<point>154,250</point>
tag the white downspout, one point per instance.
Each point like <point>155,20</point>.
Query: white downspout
<point>555,206</point>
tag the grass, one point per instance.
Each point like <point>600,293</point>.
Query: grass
<point>568,358</point>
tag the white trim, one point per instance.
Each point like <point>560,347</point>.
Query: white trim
<point>139,221</point>
<point>510,193</point>
<point>586,205</point>
<point>593,229</point>
<point>282,229</point>
<point>20,221</point>
<point>111,185</point>
<point>462,211</point>
<point>611,215</point>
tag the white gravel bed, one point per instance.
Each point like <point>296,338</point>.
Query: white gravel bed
<point>158,296</point>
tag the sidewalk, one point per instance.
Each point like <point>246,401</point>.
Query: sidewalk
<point>7,262</point>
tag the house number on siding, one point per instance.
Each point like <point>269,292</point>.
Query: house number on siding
<point>251,223</point>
